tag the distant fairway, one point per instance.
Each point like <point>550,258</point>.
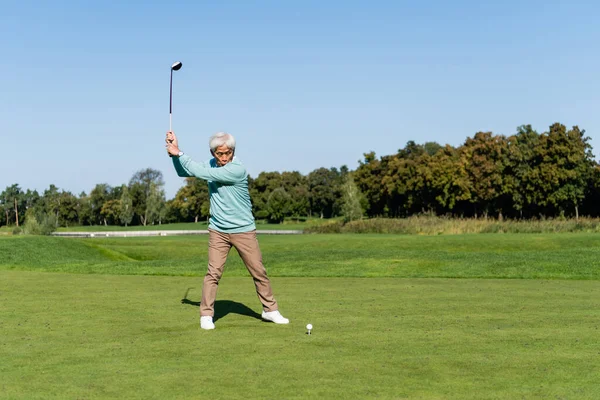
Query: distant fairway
<point>545,256</point>
<point>202,225</point>
<point>96,328</point>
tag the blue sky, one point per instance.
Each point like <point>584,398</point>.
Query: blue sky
<point>302,85</point>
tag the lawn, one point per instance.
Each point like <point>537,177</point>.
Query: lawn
<point>184,226</point>
<point>542,256</point>
<point>96,327</point>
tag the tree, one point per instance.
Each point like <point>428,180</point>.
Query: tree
<point>278,205</point>
<point>51,201</point>
<point>67,210</point>
<point>369,179</point>
<point>352,200</point>
<point>144,184</point>
<point>84,211</point>
<point>12,202</point>
<point>522,170</point>
<point>31,199</point>
<point>485,157</point>
<point>192,200</point>
<point>445,179</point>
<point>260,189</point>
<point>110,211</point>
<point>296,186</point>
<point>99,195</point>
<point>63,206</point>
<point>199,199</point>
<point>592,196</point>
<point>324,186</point>
<point>401,181</point>
<point>566,167</point>
<point>155,205</point>
<point>300,200</point>
<point>126,209</point>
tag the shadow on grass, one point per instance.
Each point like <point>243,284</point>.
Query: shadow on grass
<point>224,307</point>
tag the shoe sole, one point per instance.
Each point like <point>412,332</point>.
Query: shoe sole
<point>278,323</point>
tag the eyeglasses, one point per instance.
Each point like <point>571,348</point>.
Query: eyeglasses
<point>223,153</point>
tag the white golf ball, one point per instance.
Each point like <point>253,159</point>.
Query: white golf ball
<point>309,327</point>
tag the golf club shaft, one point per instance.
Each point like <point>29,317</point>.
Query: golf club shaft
<point>171,102</point>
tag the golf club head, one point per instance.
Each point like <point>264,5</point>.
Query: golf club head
<point>175,67</point>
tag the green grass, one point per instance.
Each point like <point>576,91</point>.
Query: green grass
<point>165,227</point>
<point>100,337</point>
<point>187,226</point>
<point>532,256</point>
<point>91,318</point>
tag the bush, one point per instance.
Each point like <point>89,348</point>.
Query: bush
<point>48,225</point>
<point>434,225</point>
<point>17,230</point>
<point>31,225</point>
<point>328,226</point>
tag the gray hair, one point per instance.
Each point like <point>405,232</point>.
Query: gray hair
<point>221,138</point>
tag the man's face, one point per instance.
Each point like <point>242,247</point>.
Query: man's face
<point>223,155</point>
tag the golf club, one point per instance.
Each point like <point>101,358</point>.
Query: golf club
<point>175,67</point>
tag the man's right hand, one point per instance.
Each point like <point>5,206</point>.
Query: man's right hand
<point>172,145</point>
<point>171,139</point>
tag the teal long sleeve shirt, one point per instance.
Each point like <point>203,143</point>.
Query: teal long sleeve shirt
<point>230,204</point>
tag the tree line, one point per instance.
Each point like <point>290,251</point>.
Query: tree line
<point>525,175</point>
<point>142,201</point>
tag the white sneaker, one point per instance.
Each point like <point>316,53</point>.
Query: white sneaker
<point>206,322</point>
<point>275,316</point>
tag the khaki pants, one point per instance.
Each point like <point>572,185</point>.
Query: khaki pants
<point>246,244</point>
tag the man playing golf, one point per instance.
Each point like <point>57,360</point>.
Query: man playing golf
<point>231,222</point>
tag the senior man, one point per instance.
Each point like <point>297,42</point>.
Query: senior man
<point>231,222</point>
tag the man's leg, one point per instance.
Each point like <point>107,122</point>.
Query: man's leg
<point>218,248</point>
<point>247,246</point>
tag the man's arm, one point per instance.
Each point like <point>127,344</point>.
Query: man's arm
<point>173,150</point>
<point>179,168</point>
<point>230,173</point>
